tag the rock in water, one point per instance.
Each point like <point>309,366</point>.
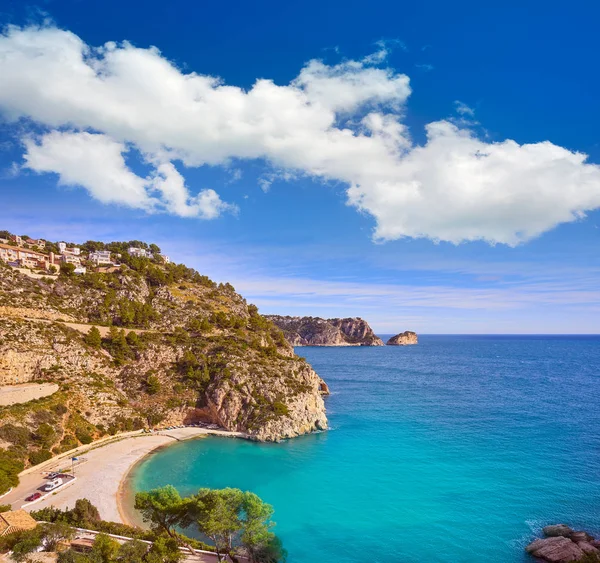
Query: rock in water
<point>314,331</point>
<point>403,339</point>
<point>557,530</point>
<point>557,549</point>
<point>563,544</point>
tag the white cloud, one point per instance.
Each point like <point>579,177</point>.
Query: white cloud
<point>96,162</point>
<point>342,123</point>
<point>463,108</point>
<point>426,67</point>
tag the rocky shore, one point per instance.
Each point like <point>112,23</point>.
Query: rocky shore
<point>314,331</point>
<point>562,544</point>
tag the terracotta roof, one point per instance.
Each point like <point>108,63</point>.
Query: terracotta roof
<point>21,249</point>
<point>16,520</point>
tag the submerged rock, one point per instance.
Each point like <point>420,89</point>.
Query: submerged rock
<point>403,339</point>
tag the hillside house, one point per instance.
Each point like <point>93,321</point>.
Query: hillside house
<point>69,258</point>
<point>40,243</point>
<point>16,521</point>
<point>75,250</point>
<point>25,258</point>
<point>100,257</point>
<point>139,252</point>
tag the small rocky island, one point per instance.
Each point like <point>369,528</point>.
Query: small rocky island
<point>314,331</point>
<point>405,338</point>
<point>562,544</point>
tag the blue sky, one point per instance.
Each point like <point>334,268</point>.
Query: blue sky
<point>425,171</point>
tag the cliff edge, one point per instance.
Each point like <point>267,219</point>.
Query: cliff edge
<point>314,331</point>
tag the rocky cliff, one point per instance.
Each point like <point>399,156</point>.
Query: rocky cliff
<point>313,331</point>
<point>403,339</point>
<point>174,347</point>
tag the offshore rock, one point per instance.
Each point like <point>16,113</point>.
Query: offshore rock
<point>314,331</point>
<point>403,339</point>
<point>557,549</point>
<point>562,544</point>
<point>557,530</point>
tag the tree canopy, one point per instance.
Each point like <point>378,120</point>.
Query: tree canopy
<point>236,522</point>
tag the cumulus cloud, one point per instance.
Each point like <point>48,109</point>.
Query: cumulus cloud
<point>96,162</point>
<point>341,123</point>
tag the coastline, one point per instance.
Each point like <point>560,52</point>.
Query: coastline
<point>125,496</point>
<point>105,475</point>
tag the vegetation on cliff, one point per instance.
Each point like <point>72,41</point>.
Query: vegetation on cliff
<point>172,347</point>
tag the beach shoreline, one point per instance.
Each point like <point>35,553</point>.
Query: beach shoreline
<point>125,497</point>
<point>105,474</point>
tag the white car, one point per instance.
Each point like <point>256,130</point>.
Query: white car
<point>53,484</point>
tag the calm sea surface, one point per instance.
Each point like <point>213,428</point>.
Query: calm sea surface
<point>458,449</point>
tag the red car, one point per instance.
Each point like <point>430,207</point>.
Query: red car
<point>33,497</point>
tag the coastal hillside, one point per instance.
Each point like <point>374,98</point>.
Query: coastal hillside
<point>314,331</point>
<point>170,347</point>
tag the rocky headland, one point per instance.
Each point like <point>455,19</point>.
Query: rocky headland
<point>405,338</point>
<point>174,348</point>
<point>562,544</point>
<point>314,331</point>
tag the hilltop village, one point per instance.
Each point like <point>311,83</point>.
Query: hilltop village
<point>45,257</point>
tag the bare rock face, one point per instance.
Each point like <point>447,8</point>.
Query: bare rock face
<point>557,549</point>
<point>403,339</point>
<point>563,544</point>
<point>557,530</point>
<point>314,331</point>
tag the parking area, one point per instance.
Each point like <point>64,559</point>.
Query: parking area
<point>51,484</point>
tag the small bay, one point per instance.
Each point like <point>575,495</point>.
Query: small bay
<point>455,450</point>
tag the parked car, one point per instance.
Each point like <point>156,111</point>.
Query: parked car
<point>33,497</point>
<point>52,475</point>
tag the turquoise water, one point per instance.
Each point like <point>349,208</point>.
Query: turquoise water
<point>455,450</point>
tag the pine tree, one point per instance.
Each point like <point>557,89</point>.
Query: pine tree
<point>93,338</point>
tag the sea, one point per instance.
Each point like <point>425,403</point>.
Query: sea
<point>458,449</point>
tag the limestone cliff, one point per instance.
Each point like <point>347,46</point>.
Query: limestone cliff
<point>403,339</point>
<point>174,347</point>
<point>314,331</point>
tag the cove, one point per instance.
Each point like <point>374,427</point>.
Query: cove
<point>458,449</point>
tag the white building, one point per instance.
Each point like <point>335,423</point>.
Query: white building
<point>139,252</point>
<point>69,258</point>
<point>164,258</point>
<point>100,257</point>
<point>80,270</point>
<point>62,246</point>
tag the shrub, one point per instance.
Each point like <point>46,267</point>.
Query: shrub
<point>280,409</point>
<point>153,385</point>
<point>39,456</point>
<point>17,435</point>
<point>10,467</point>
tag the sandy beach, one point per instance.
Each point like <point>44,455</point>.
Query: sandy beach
<point>101,476</point>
